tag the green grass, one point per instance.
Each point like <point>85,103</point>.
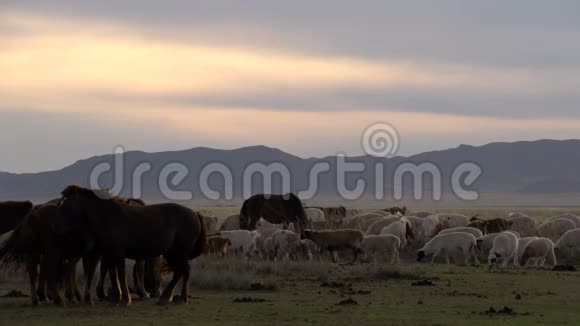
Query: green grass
<point>294,294</point>
<point>309,293</point>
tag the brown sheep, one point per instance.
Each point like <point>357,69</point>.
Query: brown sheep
<point>217,245</point>
<point>495,225</point>
<point>333,240</point>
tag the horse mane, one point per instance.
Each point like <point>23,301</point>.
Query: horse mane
<point>86,192</point>
<point>132,201</point>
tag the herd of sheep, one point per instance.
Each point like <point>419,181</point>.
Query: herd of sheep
<point>380,236</point>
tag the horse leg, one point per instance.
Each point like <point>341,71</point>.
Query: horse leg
<point>167,295</point>
<point>186,269</point>
<point>72,288</point>
<point>41,292</point>
<point>115,293</point>
<point>32,269</point>
<point>89,268</point>
<point>355,253</point>
<point>101,283</point>
<point>53,268</point>
<point>139,279</point>
<point>152,276</point>
<point>121,270</point>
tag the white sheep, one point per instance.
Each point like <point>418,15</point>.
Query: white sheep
<point>231,223</point>
<point>422,214</point>
<point>383,213</point>
<point>360,222</point>
<point>522,244</point>
<point>450,244</point>
<point>268,250</point>
<point>524,225</point>
<point>211,224</point>
<point>476,232</point>
<point>538,251</point>
<point>243,241</point>
<point>569,243</point>
<point>286,244</point>
<point>555,229</point>
<point>513,215</point>
<point>263,234</point>
<point>423,228</point>
<point>376,227</point>
<point>381,247</point>
<point>315,215</point>
<point>262,223</point>
<point>333,240</point>
<point>310,249</point>
<point>571,217</point>
<point>400,229</point>
<point>485,243</point>
<point>455,220</point>
<point>505,246</point>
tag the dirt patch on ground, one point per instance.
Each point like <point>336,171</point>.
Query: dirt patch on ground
<point>348,302</point>
<point>14,294</point>
<point>249,300</point>
<point>465,294</point>
<point>564,268</point>
<point>505,311</point>
<point>262,287</point>
<point>423,283</point>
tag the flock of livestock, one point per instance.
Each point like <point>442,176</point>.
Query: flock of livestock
<point>90,226</point>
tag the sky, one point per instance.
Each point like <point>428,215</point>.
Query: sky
<point>78,78</point>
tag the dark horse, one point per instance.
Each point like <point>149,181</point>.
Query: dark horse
<point>146,279</point>
<point>274,209</point>
<point>136,232</point>
<point>12,213</point>
<point>36,242</point>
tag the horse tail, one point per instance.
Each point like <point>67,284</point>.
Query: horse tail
<point>12,255</point>
<point>201,243</point>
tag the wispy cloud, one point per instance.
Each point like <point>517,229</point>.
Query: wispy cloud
<point>42,56</point>
<point>113,82</point>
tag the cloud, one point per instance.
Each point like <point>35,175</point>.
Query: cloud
<point>307,78</point>
<point>68,58</point>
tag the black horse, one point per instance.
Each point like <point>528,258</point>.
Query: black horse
<point>274,209</point>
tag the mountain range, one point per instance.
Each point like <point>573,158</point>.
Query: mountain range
<point>549,167</point>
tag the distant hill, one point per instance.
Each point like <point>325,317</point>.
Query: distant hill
<point>528,167</point>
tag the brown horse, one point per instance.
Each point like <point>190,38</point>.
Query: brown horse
<point>275,209</point>
<point>136,232</point>
<point>12,213</point>
<point>141,269</point>
<point>36,243</point>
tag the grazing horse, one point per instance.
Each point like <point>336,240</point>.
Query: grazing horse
<point>275,209</point>
<point>136,232</point>
<point>12,213</point>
